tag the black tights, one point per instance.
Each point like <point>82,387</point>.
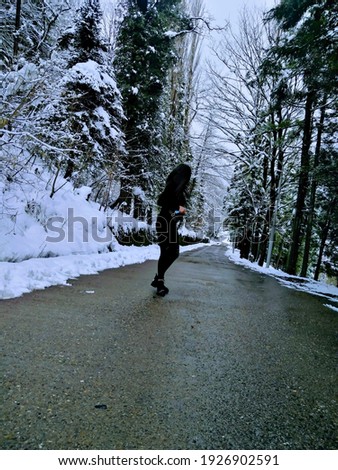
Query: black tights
<point>169,253</point>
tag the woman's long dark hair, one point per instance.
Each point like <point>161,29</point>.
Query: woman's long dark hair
<point>176,185</point>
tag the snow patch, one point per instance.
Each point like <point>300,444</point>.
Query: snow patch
<point>17,279</point>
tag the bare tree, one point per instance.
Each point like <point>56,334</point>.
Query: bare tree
<point>252,125</point>
<point>112,16</point>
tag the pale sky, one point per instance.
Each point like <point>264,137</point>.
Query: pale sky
<point>223,10</point>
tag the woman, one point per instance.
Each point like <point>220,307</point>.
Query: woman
<point>172,202</point>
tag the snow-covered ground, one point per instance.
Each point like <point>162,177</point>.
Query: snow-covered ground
<point>294,282</point>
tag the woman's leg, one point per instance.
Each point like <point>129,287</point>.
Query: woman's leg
<point>168,243</point>
<point>169,253</point>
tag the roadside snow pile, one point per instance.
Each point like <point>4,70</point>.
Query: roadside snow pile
<point>294,282</point>
<point>38,273</point>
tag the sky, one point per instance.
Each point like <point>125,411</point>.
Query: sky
<point>229,9</point>
<point>227,12</point>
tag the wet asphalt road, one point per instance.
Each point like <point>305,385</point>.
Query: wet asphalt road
<point>230,359</point>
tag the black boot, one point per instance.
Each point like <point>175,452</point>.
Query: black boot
<point>162,290</point>
<point>154,282</point>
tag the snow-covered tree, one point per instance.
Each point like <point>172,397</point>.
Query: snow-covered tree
<point>85,116</point>
<point>179,106</point>
<point>29,28</point>
<point>275,103</point>
<point>250,120</point>
<point>26,77</point>
<point>145,51</point>
<point>309,48</point>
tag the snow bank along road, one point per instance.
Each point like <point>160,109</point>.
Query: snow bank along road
<point>230,359</point>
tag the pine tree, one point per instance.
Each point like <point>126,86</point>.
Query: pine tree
<point>309,49</point>
<point>325,217</point>
<point>145,51</point>
<point>86,114</point>
<point>179,103</point>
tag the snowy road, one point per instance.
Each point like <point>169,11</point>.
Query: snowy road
<point>230,359</point>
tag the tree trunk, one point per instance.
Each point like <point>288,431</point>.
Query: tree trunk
<point>262,244</point>
<point>272,200</point>
<point>312,197</point>
<point>17,27</point>
<point>325,233</point>
<point>69,169</point>
<point>255,245</point>
<point>264,240</point>
<point>302,185</point>
<point>274,221</point>
<point>278,184</point>
<point>324,236</point>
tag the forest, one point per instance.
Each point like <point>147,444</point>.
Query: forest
<point>104,98</point>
